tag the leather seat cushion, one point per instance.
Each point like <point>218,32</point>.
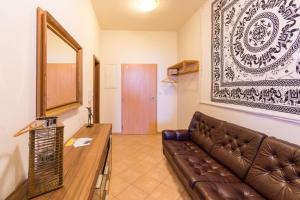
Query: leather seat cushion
<point>181,147</point>
<point>236,147</point>
<point>226,191</point>
<point>275,172</point>
<point>203,168</point>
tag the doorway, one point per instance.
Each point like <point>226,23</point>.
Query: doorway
<point>139,98</point>
<point>96,90</point>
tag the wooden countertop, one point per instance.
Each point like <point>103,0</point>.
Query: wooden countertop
<point>81,167</point>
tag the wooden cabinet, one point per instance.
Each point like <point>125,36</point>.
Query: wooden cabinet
<point>184,67</point>
<point>81,168</point>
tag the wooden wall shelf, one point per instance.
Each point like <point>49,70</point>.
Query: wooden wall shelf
<point>184,67</point>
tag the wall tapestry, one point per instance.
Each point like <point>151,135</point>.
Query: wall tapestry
<point>255,54</point>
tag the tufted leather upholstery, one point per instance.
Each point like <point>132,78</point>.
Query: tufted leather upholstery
<point>195,121</point>
<point>236,147</point>
<point>169,135</point>
<point>276,170</point>
<point>179,135</point>
<point>182,135</point>
<point>216,160</point>
<point>226,191</point>
<point>201,167</point>
<point>181,147</point>
<point>203,128</point>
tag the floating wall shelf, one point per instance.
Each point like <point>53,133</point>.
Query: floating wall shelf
<point>184,67</point>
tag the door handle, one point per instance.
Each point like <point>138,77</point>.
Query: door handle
<point>153,99</point>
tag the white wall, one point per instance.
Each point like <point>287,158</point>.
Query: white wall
<point>189,47</point>
<point>129,47</point>
<point>194,43</point>
<point>18,75</point>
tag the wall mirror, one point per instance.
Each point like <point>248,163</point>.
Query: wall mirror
<point>59,68</point>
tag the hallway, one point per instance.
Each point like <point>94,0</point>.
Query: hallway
<point>140,170</point>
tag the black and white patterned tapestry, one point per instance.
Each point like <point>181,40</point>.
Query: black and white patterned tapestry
<point>255,53</point>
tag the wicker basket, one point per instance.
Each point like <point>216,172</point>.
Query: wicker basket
<point>45,160</point>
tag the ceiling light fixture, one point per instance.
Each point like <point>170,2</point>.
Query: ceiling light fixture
<point>147,5</point>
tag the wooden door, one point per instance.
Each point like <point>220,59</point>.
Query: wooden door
<point>139,98</point>
<point>96,88</point>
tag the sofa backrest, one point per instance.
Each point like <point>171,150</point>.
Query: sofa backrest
<point>195,121</point>
<point>276,170</point>
<point>202,128</point>
<point>236,147</point>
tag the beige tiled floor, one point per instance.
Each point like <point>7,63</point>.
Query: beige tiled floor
<point>140,170</point>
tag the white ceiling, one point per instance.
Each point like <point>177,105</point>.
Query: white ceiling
<point>123,14</point>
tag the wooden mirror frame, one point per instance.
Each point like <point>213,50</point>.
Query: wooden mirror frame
<point>46,20</point>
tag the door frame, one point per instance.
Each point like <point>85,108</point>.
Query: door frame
<point>96,90</point>
<point>122,95</point>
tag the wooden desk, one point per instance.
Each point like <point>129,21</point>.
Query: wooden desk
<point>81,167</point>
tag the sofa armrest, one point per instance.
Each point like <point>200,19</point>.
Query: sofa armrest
<point>182,135</point>
<point>169,135</point>
<point>179,135</point>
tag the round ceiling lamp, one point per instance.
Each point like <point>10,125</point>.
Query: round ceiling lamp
<point>147,5</point>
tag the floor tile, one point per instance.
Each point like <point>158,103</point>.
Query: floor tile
<point>173,183</point>
<point>164,192</point>
<point>140,170</point>
<point>132,193</point>
<point>146,183</point>
<point>117,185</point>
<point>130,175</point>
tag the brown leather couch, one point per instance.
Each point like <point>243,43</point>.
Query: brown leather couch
<point>217,160</point>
